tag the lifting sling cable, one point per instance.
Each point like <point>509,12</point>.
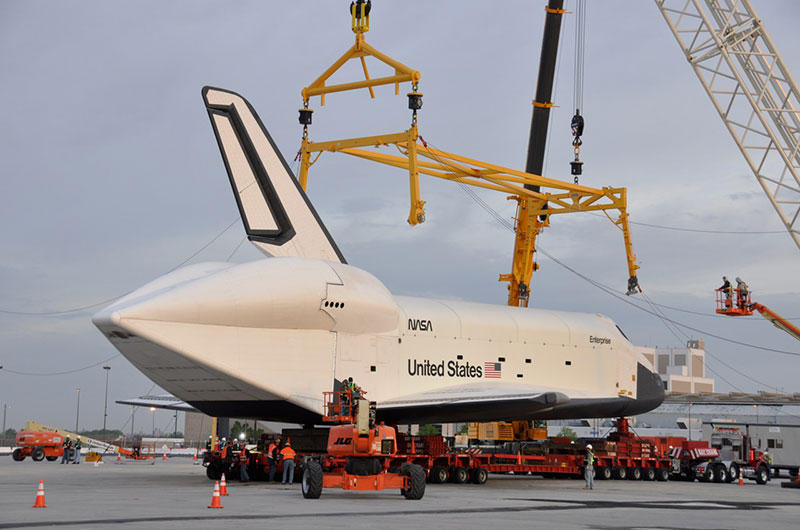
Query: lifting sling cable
<point>576,166</point>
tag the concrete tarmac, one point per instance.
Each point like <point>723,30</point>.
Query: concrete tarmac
<point>174,495</point>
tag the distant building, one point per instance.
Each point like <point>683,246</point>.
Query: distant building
<point>682,369</point>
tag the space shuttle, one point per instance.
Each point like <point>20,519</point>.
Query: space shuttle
<point>265,339</point>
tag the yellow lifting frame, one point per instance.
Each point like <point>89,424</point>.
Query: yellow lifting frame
<point>533,208</point>
<point>361,49</point>
<point>566,198</point>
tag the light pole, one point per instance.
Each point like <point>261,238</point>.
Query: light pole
<point>5,410</point>
<point>105,403</point>
<point>153,410</point>
<point>78,412</point>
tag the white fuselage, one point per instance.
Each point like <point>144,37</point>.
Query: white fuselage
<point>280,331</point>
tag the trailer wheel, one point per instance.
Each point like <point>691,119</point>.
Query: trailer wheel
<point>417,488</point>
<point>213,472</point>
<point>460,475</point>
<point>439,474</point>
<point>733,472</point>
<point>720,474</point>
<point>603,473</point>
<point>762,475</point>
<point>38,454</point>
<point>17,455</point>
<point>662,474</point>
<point>479,475</point>
<point>635,473</point>
<point>51,458</point>
<point>649,474</point>
<point>312,480</point>
<point>620,473</point>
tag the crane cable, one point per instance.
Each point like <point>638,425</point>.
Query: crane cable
<point>577,123</point>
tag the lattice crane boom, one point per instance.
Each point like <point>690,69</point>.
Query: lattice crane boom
<point>754,93</point>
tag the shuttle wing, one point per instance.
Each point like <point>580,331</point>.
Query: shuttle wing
<point>277,215</point>
<point>475,402</point>
<point>167,402</point>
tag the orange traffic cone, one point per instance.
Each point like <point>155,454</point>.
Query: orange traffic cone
<point>215,498</point>
<point>223,487</point>
<point>741,478</point>
<point>40,496</point>
<point>119,458</point>
<point>164,457</point>
<point>195,456</point>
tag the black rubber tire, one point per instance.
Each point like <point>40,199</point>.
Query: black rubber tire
<point>604,473</point>
<point>16,456</point>
<point>720,473</point>
<point>648,474</point>
<point>762,474</point>
<point>662,474</point>
<point>38,454</point>
<point>460,475</point>
<point>708,475</point>
<point>479,475</point>
<point>733,472</point>
<point>635,473</point>
<point>51,458</point>
<point>620,473</point>
<point>439,475</point>
<point>213,472</point>
<point>312,480</point>
<point>417,474</point>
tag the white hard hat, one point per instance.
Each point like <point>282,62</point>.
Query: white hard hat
<point>588,446</point>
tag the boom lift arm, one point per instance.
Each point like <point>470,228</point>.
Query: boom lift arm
<point>777,320</point>
<point>90,442</point>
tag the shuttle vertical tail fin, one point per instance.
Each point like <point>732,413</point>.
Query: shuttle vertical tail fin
<point>277,215</point>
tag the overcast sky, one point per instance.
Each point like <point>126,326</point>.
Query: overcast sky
<point>111,175</point>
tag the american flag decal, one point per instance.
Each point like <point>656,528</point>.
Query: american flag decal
<point>492,370</point>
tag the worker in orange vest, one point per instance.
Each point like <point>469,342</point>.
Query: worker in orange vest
<point>288,455</point>
<point>272,457</point>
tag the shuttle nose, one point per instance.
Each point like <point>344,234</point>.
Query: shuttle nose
<point>649,388</point>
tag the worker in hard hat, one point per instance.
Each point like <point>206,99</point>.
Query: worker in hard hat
<point>589,468</point>
<point>77,448</point>
<point>288,455</point>
<point>273,457</point>
<point>726,288</point>
<point>742,292</point>
<point>67,447</point>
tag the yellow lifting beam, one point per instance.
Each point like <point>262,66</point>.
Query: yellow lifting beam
<point>417,157</point>
<point>360,50</point>
<point>534,208</point>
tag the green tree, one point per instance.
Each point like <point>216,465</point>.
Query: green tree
<point>236,429</point>
<point>566,432</point>
<point>464,429</point>
<point>427,430</point>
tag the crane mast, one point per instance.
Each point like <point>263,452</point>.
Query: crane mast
<point>754,93</point>
<point>528,225</point>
